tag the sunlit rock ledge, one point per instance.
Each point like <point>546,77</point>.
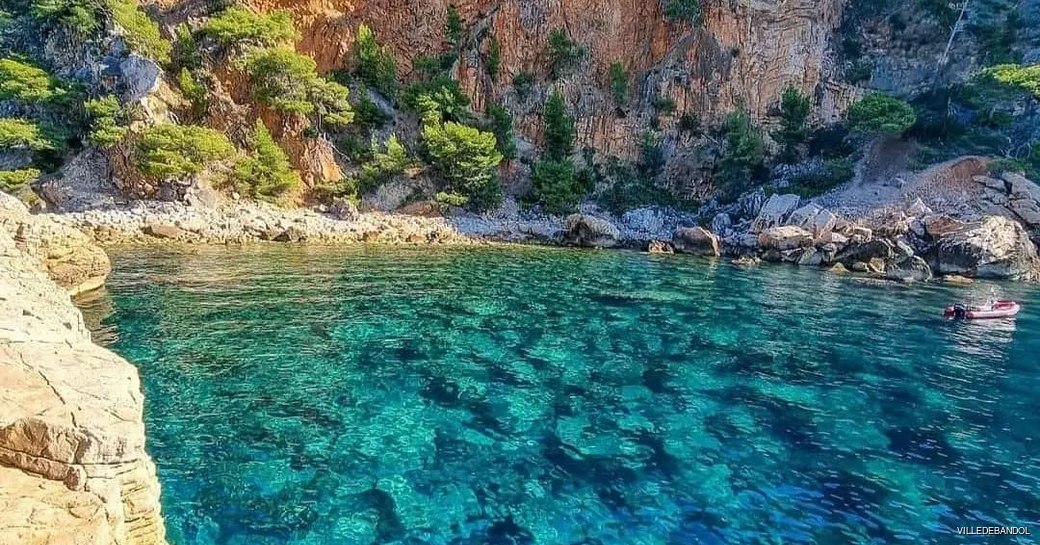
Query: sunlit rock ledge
<point>73,466</point>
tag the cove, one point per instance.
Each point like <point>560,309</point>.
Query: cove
<point>308,395</point>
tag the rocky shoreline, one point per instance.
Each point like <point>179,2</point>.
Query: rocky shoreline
<point>72,441</point>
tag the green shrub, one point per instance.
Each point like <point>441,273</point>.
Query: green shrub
<point>346,188</point>
<point>559,129</point>
<point>745,153</point>
<point>238,25</point>
<point>831,174</point>
<point>453,26</point>
<point>564,52</point>
<point>794,117</point>
<point>619,83</point>
<point>1014,75</point>
<point>375,64</point>
<point>79,16</point>
<point>267,174</point>
<point>1028,166</point>
<point>387,161</point>
<point>557,187</point>
<point>689,123</point>
<point>186,48</point>
<point>879,113</point>
<point>26,83</point>
<point>628,190</point>
<point>664,105</point>
<point>652,154</point>
<point>176,151</point>
<point>494,58</point>
<point>106,115</point>
<point>368,114</point>
<point>142,33</point>
<point>466,158</point>
<point>288,82</point>
<point>523,82</point>
<point>195,92</point>
<point>441,95</point>
<point>451,199</point>
<point>683,10</point>
<point>16,182</point>
<point>22,134</point>
<point>500,122</point>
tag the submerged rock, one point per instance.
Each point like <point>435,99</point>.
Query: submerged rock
<point>660,247</point>
<point>591,232</point>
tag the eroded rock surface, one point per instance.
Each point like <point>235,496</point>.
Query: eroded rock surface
<point>73,466</point>
<point>70,257</point>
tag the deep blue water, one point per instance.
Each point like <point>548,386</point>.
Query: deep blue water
<point>312,396</point>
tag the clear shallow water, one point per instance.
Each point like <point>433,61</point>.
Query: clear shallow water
<point>314,396</point>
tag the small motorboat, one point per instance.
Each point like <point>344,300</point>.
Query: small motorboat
<point>988,311</point>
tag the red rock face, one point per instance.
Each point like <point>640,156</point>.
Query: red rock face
<point>745,54</point>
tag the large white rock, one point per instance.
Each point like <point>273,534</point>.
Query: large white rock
<point>590,231</point>
<point>73,465</point>
<point>696,241</point>
<point>996,247</point>
<point>774,212</point>
<point>784,238</point>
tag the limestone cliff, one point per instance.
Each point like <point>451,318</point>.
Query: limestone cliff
<point>73,465</point>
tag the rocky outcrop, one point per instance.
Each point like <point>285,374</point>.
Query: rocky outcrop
<point>696,241</point>
<point>775,212</point>
<point>70,257</point>
<point>996,247</point>
<point>590,231</point>
<point>73,466</point>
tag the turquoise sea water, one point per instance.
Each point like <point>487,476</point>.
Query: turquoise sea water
<point>311,396</point>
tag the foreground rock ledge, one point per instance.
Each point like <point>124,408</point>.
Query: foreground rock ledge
<point>73,466</point>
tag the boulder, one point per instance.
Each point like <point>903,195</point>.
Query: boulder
<point>918,209</point>
<point>291,234</point>
<point>1020,187</point>
<point>749,205</point>
<point>1027,210</point>
<point>746,261</point>
<point>696,241</point>
<point>957,280</point>
<point>68,256</point>
<point>823,224</point>
<point>784,238</point>
<point>877,248</point>
<point>804,216</point>
<point>937,226</point>
<point>913,269</point>
<point>422,209</point>
<point>992,184</point>
<point>721,224</point>
<point>811,257</point>
<point>660,247</point>
<point>590,231</point>
<point>170,232</point>
<point>344,210</point>
<point>838,268</point>
<point>774,212</point>
<point>996,247</point>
